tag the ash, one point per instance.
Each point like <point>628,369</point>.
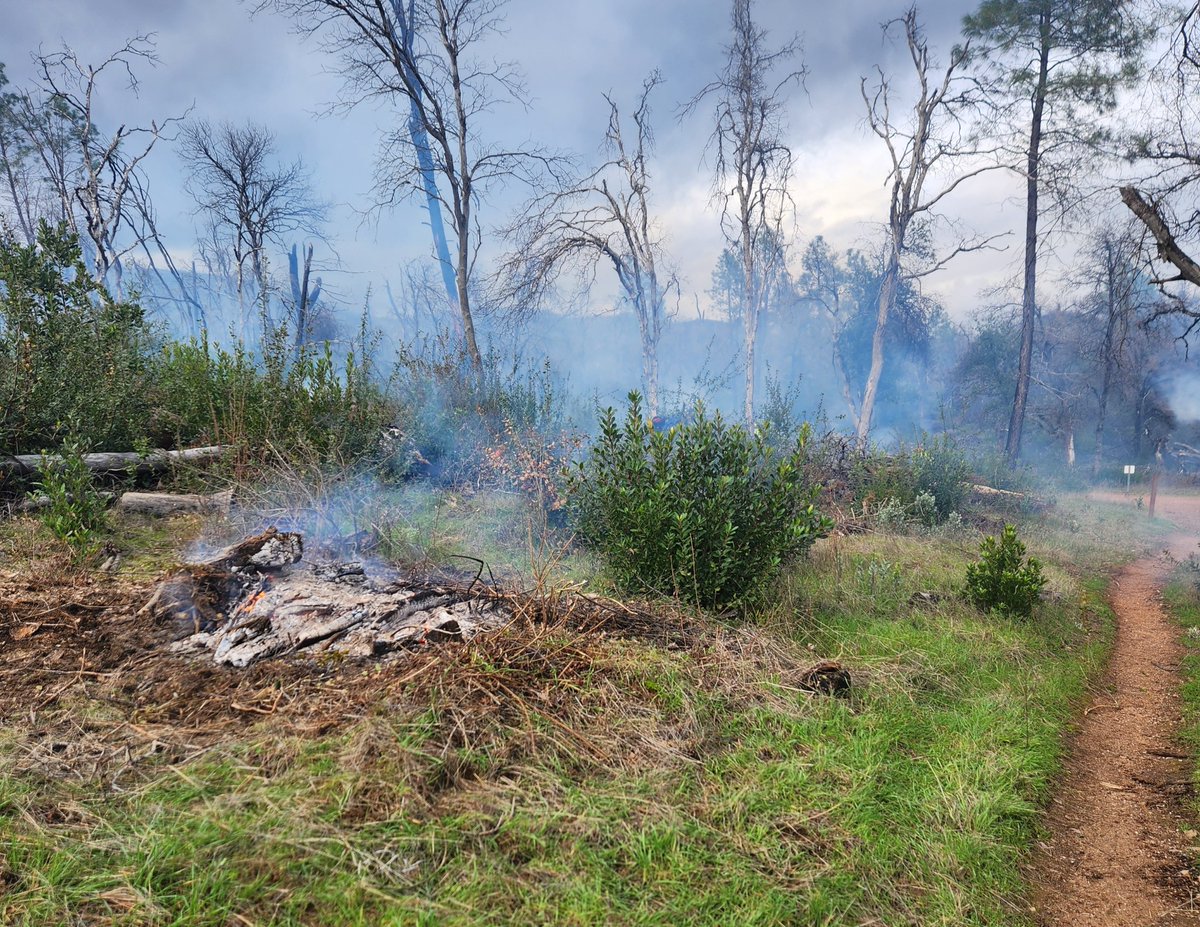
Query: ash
<point>259,599</point>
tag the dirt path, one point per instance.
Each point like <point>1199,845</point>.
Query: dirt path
<point>1116,855</point>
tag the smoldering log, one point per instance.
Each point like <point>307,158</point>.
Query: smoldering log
<point>116,461</point>
<point>258,599</point>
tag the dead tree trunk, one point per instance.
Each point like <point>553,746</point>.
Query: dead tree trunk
<point>887,298</point>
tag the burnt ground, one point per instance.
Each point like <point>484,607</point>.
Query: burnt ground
<point>1120,826</point>
<point>97,693</point>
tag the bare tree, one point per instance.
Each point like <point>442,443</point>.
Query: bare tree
<point>247,197</point>
<point>97,178</point>
<point>1164,200</point>
<point>604,218</point>
<point>928,146</point>
<point>423,53</point>
<point>23,194</point>
<point>40,141</point>
<point>753,163</point>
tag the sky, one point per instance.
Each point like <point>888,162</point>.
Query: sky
<point>224,62</point>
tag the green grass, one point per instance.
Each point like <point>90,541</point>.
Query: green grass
<point>647,785</point>
<point>1182,596</point>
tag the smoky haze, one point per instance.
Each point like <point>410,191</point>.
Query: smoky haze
<point>220,61</point>
<point>230,65</point>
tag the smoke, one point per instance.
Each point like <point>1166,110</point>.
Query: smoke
<point>1181,389</point>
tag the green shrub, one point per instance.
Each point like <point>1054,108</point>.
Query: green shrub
<point>68,351</point>
<point>1004,579</point>
<point>308,404</point>
<point>875,477</point>
<point>940,469</point>
<point>75,512</point>
<point>928,482</point>
<point>705,511</point>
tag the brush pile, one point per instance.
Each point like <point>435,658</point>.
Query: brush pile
<point>260,599</point>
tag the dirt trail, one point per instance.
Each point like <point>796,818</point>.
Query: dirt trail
<point>1116,855</point>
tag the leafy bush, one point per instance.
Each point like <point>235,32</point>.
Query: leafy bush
<point>877,478</point>
<point>940,469</point>
<point>75,511</point>
<point>68,351</point>
<point>705,511</point>
<point>331,409</point>
<point>928,482</point>
<point>1004,580</point>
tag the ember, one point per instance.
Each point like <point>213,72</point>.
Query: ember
<point>260,599</point>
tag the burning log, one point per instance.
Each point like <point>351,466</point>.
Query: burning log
<point>260,599</point>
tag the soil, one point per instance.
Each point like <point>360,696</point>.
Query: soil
<point>1121,826</point>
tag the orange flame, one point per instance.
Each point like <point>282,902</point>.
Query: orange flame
<point>248,605</point>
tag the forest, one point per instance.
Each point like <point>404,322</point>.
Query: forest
<point>547,466</point>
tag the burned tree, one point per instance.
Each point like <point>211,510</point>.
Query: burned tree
<point>247,198</point>
<point>1065,60</point>
<point>305,296</point>
<point>929,147</point>
<point>605,218</point>
<point>422,52</point>
<point>753,164</point>
<point>97,179</point>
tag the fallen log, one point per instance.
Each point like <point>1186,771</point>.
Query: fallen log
<point>985,491</point>
<point>31,505</point>
<point>116,461</point>
<point>163,504</point>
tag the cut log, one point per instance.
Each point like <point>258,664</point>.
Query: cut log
<point>116,461</point>
<point>162,504</point>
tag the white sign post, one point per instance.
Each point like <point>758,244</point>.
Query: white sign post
<point>1130,469</point>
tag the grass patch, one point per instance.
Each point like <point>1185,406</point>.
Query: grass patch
<point>581,778</point>
<point>1182,597</point>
